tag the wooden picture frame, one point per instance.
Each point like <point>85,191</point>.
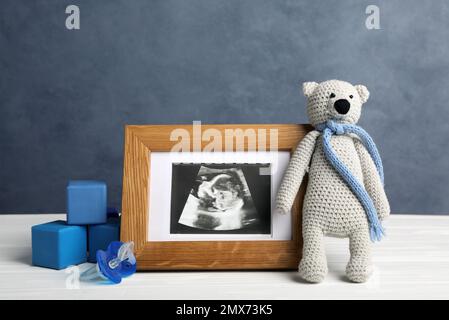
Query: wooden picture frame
<point>140,141</point>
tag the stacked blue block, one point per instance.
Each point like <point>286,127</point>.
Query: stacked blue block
<point>57,245</point>
<point>86,202</point>
<point>90,226</point>
<point>101,235</point>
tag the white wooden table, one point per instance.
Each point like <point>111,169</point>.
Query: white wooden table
<point>413,262</point>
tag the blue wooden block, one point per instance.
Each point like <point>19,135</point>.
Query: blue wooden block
<point>58,245</point>
<point>86,202</point>
<point>101,235</point>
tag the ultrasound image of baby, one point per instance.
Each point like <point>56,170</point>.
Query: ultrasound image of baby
<point>219,200</point>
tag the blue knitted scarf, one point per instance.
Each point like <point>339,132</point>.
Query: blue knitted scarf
<point>330,128</point>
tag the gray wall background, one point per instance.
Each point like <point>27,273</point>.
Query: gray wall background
<point>65,96</point>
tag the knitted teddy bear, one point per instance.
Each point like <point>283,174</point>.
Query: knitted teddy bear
<point>345,196</point>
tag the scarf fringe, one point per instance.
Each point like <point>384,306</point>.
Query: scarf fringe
<point>376,232</point>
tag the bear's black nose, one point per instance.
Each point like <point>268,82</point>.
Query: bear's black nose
<point>342,106</point>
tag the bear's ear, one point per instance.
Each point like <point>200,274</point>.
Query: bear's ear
<point>363,92</point>
<point>308,88</point>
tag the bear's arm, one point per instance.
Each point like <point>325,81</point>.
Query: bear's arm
<point>295,172</point>
<point>371,180</point>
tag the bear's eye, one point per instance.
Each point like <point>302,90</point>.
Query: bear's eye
<point>351,96</point>
<point>332,95</point>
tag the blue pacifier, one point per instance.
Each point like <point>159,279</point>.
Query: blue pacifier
<point>117,262</point>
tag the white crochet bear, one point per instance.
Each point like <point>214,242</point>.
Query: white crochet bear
<point>330,205</point>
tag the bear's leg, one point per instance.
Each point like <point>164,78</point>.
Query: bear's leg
<point>313,265</point>
<point>359,267</point>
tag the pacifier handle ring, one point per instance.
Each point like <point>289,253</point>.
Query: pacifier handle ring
<point>126,252</point>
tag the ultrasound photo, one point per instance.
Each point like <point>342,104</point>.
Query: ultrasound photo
<point>220,198</point>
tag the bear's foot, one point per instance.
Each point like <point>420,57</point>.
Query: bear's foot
<point>359,270</point>
<point>312,271</point>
